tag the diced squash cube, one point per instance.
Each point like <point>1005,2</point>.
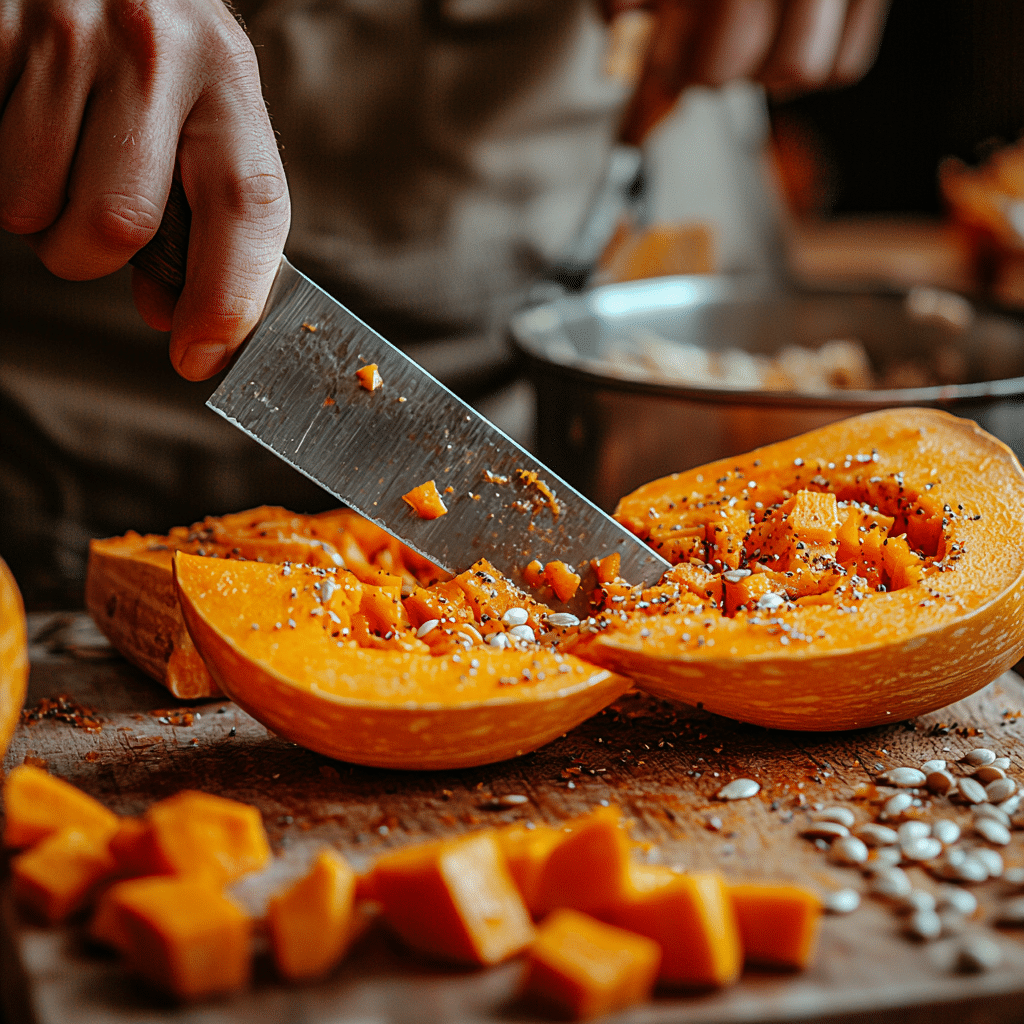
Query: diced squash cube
<point>902,566</point>
<point>723,538</point>
<point>129,847</point>
<point>581,968</point>
<point>607,569</point>
<point>444,602</point>
<point>38,804</point>
<point>691,916</point>
<point>310,923</point>
<point>454,900</point>
<point>181,934</point>
<point>587,869</point>
<point>199,833</point>
<point>57,877</point>
<point>778,922</point>
<point>526,852</point>
<point>562,580</point>
<point>425,501</point>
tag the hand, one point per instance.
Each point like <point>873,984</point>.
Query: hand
<point>99,100</point>
<point>788,45</point>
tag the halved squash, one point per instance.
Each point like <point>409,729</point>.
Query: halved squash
<point>129,588</point>
<point>862,573</point>
<point>13,657</point>
<point>337,665</point>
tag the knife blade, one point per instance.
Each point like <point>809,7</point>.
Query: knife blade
<point>293,388</point>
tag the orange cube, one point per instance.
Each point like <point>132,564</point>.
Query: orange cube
<point>526,852</point>
<point>454,900</point>
<point>58,876</point>
<point>199,833</point>
<point>310,923</point>
<point>38,804</point>
<point>778,922</point>
<point>425,500</point>
<point>562,580</point>
<point>181,934</point>
<point>581,967</point>
<point>587,869</point>
<point>692,918</point>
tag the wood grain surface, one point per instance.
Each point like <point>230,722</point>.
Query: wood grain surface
<point>662,764</point>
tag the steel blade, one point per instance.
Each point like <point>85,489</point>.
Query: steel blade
<point>294,389</point>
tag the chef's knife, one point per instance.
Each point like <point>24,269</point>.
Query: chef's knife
<point>293,387</point>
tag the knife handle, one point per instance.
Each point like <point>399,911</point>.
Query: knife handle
<point>163,257</point>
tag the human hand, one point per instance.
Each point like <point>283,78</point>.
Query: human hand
<point>788,45</point>
<point>99,100</point>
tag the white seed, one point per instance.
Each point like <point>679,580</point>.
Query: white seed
<point>947,832</point>
<point>524,633</point>
<point>1010,804</point>
<point>1001,762</point>
<point>924,848</point>
<point>962,901</point>
<point>905,777</point>
<point>1015,876</point>
<point>876,835</point>
<point>739,789</point>
<point>1017,818</point>
<point>563,620</point>
<point>935,765</point>
<point>1000,789</point>
<point>735,575</point>
<point>911,830</point>
<point>989,773</point>
<point>427,627</point>
<point>971,869</point>
<point>977,953</point>
<point>884,858</point>
<point>992,831</point>
<point>469,631</point>
<point>925,925</point>
<point>940,781</point>
<point>978,757</point>
<point>515,617</point>
<point>915,900</point>
<point>1011,912</point>
<point>990,858</point>
<point>891,883</point>
<point>896,805</point>
<point>840,815</point>
<point>842,901</point>
<point>972,791</point>
<point>498,640</point>
<point>825,830</point>
<point>952,922</point>
<point>992,812</point>
<point>848,850</point>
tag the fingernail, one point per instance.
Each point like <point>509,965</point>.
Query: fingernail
<point>200,361</point>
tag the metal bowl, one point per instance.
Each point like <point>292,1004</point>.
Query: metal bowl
<point>607,430</point>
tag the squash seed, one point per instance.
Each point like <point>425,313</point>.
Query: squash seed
<point>947,832</point>
<point>978,953</point>
<point>935,765</point>
<point>1001,762</point>
<point>1011,912</point>
<point>991,811</point>
<point>972,791</point>
<point>890,883</point>
<point>952,897</point>
<point>924,925</point>
<point>911,830</point>
<point>914,901</point>
<point>739,789</point>
<point>978,756</point>
<point>992,831</point>
<point>940,781</point>
<point>841,815</point>
<point>905,777</point>
<point>990,858</point>
<point>922,848</point>
<point>825,830</point>
<point>1000,789</point>
<point>988,773</point>
<point>896,805</point>
<point>877,835</point>
<point>848,850</point>
<point>842,901</point>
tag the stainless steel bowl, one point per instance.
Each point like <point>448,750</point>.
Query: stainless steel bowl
<point>607,431</point>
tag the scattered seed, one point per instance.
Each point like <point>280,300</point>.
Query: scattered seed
<point>911,830</point>
<point>842,901</point>
<point>896,805</point>
<point>499,640</point>
<point>825,830</point>
<point>990,858</point>
<point>1000,789</point>
<point>563,620</point>
<point>876,835</point>
<point>515,617</point>
<point>848,850</point>
<point>947,832</point>
<point>989,773</point>
<point>915,900</point>
<point>1015,876</point>
<point>992,812</point>
<point>739,789</point>
<point>504,802</point>
<point>522,632</point>
<point>905,777</point>
<point>1001,762</point>
<point>840,815</point>
<point>925,848</point>
<point>978,756</point>
<point>884,858</point>
<point>1011,912</point>
<point>427,627</point>
<point>992,831</point>
<point>924,925</point>
<point>977,953</point>
<point>973,791</point>
<point>935,765</point>
<point>891,883</point>
<point>952,922</point>
<point>940,781</point>
<point>1009,806</point>
<point>962,901</point>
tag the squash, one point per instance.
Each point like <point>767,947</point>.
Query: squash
<point>13,657</point>
<point>778,922</point>
<point>129,587</point>
<point>863,573</point>
<point>342,667</point>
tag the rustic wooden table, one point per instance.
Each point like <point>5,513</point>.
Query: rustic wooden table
<point>662,764</point>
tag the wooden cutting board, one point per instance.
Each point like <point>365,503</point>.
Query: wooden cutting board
<point>661,763</point>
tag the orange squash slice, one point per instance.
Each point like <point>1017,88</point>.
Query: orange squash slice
<point>862,573</point>
<point>129,588</point>
<point>13,657</point>
<point>313,655</point>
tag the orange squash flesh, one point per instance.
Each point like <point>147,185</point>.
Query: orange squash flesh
<point>454,900</point>
<point>13,657</point>
<point>287,644</point>
<point>580,968</point>
<point>130,594</point>
<point>862,573</point>
<point>778,922</point>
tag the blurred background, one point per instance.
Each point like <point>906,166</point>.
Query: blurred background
<point>850,187</point>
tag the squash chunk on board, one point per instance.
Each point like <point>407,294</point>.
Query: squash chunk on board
<point>894,563</point>
<point>282,651</point>
<point>778,922</point>
<point>13,657</point>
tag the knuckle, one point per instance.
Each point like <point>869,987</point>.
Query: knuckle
<point>123,223</point>
<point>71,31</point>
